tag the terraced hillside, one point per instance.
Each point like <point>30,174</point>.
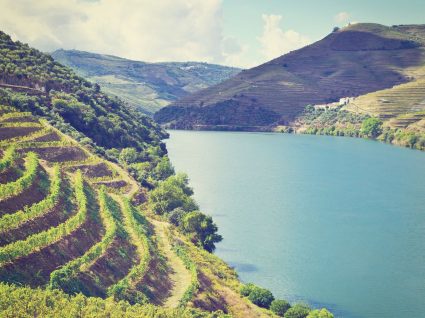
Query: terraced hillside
<point>402,106</point>
<point>350,62</point>
<point>72,221</point>
<point>145,86</point>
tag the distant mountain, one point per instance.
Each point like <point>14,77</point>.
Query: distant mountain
<point>146,86</point>
<point>352,61</point>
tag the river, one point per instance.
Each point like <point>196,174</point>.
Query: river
<point>331,221</point>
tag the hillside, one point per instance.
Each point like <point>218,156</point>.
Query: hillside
<point>87,233</point>
<point>72,220</point>
<point>145,86</point>
<point>93,219</point>
<point>353,61</point>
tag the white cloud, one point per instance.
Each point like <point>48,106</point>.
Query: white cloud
<point>166,30</point>
<point>275,41</point>
<point>342,17</point>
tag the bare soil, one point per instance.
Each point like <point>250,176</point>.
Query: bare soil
<point>59,154</point>
<point>11,132</point>
<point>114,265</point>
<point>93,171</point>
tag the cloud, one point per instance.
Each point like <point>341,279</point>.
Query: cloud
<point>166,30</point>
<point>275,41</point>
<point>342,17</point>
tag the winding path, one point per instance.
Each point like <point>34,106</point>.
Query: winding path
<point>179,275</point>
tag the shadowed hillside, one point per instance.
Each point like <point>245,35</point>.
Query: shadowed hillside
<point>353,61</point>
<point>145,86</point>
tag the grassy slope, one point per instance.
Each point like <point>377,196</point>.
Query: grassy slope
<point>146,86</point>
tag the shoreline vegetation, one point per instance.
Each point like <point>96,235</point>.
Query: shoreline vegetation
<point>331,122</point>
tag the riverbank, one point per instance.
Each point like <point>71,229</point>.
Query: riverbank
<point>331,122</point>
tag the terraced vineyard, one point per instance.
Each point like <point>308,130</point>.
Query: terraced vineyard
<point>402,106</point>
<point>70,221</point>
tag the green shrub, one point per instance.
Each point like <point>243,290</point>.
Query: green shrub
<point>320,313</point>
<point>261,297</point>
<point>279,307</point>
<point>297,311</point>
<point>172,193</point>
<point>371,127</point>
<point>201,229</point>
<point>247,289</point>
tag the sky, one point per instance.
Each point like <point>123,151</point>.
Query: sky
<point>241,33</point>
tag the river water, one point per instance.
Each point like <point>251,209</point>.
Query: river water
<point>331,221</point>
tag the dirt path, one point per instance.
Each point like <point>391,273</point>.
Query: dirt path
<point>179,275</point>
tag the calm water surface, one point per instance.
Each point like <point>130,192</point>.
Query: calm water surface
<point>335,222</point>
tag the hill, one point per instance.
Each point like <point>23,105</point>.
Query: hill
<point>145,86</point>
<point>93,219</point>
<point>349,62</point>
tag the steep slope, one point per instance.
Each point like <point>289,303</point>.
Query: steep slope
<point>145,86</point>
<point>353,61</point>
<point>83,235</point>
<point>32,81</point>
<point>75,222</point>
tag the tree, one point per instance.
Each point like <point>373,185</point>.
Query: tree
<point>247,289</point>
<point>297,311</point>
<point>261,297</point>
<point>371,127</point>
<point>176,216</point>
<point>172,193</point>
<point>163,169</point>
<point>279,307</point>
<point>128,156</point>
<point>320,313</point>
<point>201,229</point>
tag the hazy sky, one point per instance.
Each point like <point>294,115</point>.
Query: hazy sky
<point>234,32</point>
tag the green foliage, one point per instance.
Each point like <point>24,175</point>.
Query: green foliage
<point>333,122</point>
<point>371,127</point>
<point>124,289</point>
<point>257,295</point>
<point>163,169</point>
<point>128,156</point>
<point>9,157</point>
<point>65,277</point>
<point>201,230</point>
<point>261,297</point>
<point>27,302</point>
<point>41,239</point>
<point>247,289</point>
<point>14,220</point>
<point>279,307</point>
<point>297,311</point>
<point>172,193</point>
<point>176,216</point>
<point>320,313</point>
<point>79,107</point>
<point>14,188</point>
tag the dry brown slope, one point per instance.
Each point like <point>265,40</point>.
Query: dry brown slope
<point>356,60</point>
